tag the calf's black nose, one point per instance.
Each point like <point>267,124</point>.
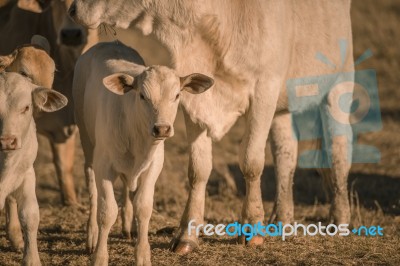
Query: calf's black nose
<point>161,131</point>
<point>71,37</point>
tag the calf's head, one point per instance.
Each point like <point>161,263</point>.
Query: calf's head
<point>20,99</point>
<point>158,91</point>
<point>31,61</point>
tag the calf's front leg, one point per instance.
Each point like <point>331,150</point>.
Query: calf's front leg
<point>63,157</point>
<point>143,206</point>
<point>28,212</point>
<point>107,210</point>
<point>13,226</point>
<point>128,223</point>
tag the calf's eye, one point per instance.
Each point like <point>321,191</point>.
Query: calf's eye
<point>142,96</point>
<point>177,97</point>
<point>25,110</point>
<point>23,73</point>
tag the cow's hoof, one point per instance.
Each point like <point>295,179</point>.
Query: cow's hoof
<point>183,247</point>
<point>255,241</point>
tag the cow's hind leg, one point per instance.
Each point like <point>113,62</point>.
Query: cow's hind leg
<point>200,166</point>
<point>13,225</point>
<point>63,157</point>
<point>338,150</point>
<point>284,150</point>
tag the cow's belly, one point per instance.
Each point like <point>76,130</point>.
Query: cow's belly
<point>218,108</point>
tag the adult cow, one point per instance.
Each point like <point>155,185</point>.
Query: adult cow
<point>19,21</point>
<point>250,48</point>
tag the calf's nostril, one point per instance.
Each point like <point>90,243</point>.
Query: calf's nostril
<point>13,143</point>
<point>156,131</point>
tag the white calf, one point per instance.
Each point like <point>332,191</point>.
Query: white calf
<point>123,133</point>
<point>19,101</point>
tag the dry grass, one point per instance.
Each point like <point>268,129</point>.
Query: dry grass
<point>375,189</point>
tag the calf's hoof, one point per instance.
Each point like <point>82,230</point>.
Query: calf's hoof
<point>99,260</point>
<point>129,235</point>
<point>92,236</point>
<point>183,247</point>
<point>16,240</point>
<point>31,260</point>
<point>126,235</point>
<point>143,255</point>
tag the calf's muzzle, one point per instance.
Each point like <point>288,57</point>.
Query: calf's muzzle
<point>8,142</point>
<point>71,37</point>
<point>161,131</point>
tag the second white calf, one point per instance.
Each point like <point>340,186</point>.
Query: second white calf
<point>124,112</point>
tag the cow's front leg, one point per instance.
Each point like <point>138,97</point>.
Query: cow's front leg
<point>63,157</point>
<point>28,212</point>
<point>200,166</point>
<point>284,150</point>
<point>143,206</point>
<point>13,225</point>
<point>107,210</point>
<point>252,152</point>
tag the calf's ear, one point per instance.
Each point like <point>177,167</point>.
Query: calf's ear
<point>7,60</point>
<point>120,83</point>
<point>48,100</point>
<point>196,83</point>
<point>42,42</point>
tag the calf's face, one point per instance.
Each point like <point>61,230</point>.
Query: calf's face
<point>19,101</point>
<point>69,33</point>
<point>158,91</point>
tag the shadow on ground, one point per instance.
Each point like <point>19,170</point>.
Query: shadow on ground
<point>308,188</point>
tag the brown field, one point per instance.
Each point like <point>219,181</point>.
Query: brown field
<point>377,187</point>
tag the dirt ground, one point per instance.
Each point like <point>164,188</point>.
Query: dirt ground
<point>375,187</point>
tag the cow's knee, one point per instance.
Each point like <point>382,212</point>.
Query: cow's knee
<point>251,162</point>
